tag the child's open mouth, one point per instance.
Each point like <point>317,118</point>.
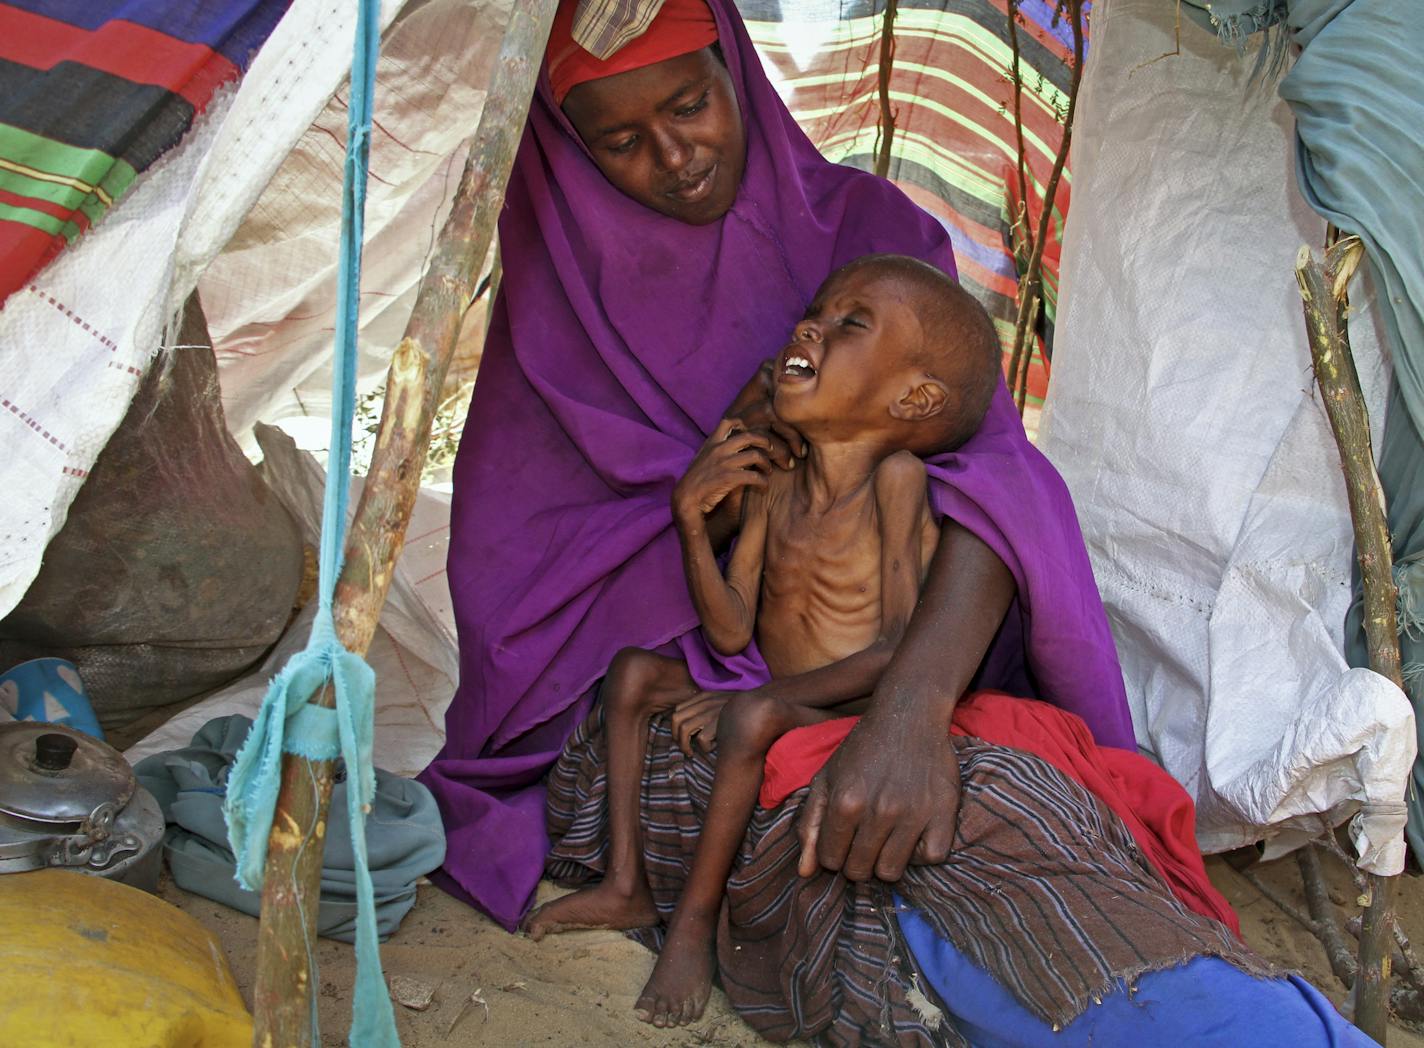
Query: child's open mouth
<point>798,367</point>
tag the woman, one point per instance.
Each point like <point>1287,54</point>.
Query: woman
<point>665,224</point>
<point>628,321</point>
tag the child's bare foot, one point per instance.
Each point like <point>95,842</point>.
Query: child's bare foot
<point>605,905</point>
<point>677,991</point>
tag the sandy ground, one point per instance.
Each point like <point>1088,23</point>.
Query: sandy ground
<point>579,988</point>
<point>572,989</point>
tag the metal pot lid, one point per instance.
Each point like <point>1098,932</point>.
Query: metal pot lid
<point>51,773</point>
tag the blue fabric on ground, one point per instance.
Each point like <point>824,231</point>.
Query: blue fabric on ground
<point>404,837</point>
<point>1205,1003</point>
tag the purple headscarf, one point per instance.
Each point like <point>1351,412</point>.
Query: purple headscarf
<point>619,338</point>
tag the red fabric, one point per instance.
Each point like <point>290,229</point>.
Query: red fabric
<point>1156,809</point>
<point>679,28</point>
<point>23,250</point>
<point>123,49</point>
<point>46,207</point>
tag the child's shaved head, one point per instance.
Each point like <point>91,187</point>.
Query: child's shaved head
<point>960,347</point>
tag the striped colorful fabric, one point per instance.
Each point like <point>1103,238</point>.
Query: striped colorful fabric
<point>91,94</point>
<point>954,150</point>
<point>1045,889</point>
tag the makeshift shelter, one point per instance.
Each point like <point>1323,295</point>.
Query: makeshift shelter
<point>1230,618</point>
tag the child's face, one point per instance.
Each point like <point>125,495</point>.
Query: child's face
<point>847,357</point>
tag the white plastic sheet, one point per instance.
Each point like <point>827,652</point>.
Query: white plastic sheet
<point>1183,416</point>
<point>74,344</point>
<point>250,202</point>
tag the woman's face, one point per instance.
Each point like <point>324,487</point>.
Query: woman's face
<point>669,135</point>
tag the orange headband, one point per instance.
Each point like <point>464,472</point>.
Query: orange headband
<point>679,28</point>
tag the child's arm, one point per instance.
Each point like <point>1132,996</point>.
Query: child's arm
<point>902,503</point>
<point>726,606</point>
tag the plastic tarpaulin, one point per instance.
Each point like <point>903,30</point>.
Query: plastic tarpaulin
<point>1184,419</point>
<point>74,343</point>
<point>270,291</point>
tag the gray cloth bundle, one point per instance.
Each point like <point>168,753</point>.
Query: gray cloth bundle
<point>404,837</point>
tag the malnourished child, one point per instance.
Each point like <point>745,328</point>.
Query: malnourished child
<point>892,362</point>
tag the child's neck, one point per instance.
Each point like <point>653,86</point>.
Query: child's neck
<point>834,470</point>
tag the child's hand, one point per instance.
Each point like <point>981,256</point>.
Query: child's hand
<point>696,720</point>
<point>731,459</point>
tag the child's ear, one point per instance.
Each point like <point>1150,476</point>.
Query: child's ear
<point>925,399</point>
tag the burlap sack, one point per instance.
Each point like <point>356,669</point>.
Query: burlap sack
<point>177,567</point>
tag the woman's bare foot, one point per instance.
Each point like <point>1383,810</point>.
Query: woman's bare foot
<point>677,991</point>
<point>605,905</point>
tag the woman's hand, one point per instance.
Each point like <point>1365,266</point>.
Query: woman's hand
<point>867,816</point>
<point>754,409</point>
<point>696,720</point>
<point>733,458</point>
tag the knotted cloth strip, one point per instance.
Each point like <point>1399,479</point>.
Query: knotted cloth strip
<point>288,722</point>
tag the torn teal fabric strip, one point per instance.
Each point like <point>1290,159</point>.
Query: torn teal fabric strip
<point>286,722</point>
<point>1236,22</point>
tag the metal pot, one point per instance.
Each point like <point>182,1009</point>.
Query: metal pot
<point>69,800</point>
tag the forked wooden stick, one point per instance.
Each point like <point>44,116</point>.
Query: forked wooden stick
<point>282,995</point>
<point>1323,294</point>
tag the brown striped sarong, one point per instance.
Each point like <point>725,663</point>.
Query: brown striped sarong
<point>1045,890</point>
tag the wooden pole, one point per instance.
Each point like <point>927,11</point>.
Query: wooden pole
<point>1323,295</point>
<point>886,131</point>
<point>1406,1002</point>
<point>282,995</point>
<point>1326,924</point>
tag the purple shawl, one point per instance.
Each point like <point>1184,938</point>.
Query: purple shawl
<point>619,338</point>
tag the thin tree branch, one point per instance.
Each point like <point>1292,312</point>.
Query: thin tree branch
<point>1030,287</point>
<point>1323,916</point>
<point>885,129</point>
<point>1020,235</point>
<point>1290,910</point>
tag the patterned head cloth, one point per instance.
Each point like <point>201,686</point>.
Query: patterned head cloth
<point>584,47</point>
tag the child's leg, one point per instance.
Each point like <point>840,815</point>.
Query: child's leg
<point>638,685</point>
<point>677,991</point>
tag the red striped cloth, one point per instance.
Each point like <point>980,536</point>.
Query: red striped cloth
<point>92,92</point>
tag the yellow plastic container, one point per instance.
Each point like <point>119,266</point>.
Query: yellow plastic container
<point>88,962</point>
